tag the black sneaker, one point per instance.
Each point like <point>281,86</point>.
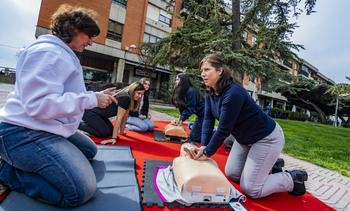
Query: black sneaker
<point>278,166</point>
<point>298,176</point>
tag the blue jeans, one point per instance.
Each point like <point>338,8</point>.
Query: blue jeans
<point>47,166</point>
<point>139,125</point>
<point>196,130</point>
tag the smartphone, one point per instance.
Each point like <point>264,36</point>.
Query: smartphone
<point>120,91</point>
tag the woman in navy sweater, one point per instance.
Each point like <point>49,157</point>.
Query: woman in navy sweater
<point>259,139</point>
<point>187,98</point>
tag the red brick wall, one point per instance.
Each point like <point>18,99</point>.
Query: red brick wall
<point>101,7</point>
<point>134,26</point>
<point>175,21</point>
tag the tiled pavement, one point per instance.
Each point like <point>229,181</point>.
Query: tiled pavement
<point>329,186</point>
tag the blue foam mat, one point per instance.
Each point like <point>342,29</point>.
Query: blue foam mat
<point>117,187</point>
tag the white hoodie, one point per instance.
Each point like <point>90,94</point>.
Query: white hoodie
<point>49,93</point>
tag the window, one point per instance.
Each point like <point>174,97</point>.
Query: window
<point>164,20</point>
<point>120,3</point>
<point>245,35</point>
<point>115,31</point>
<point>150,38</point>
<point>253,40</point>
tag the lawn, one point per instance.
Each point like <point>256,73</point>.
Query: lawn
<point>319,144</point>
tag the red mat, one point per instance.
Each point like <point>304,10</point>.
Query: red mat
<point>144,147</point>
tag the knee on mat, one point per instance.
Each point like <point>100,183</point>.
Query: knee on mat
<point>250,191</point>
<point>79,197</point>
<point>103,135</point>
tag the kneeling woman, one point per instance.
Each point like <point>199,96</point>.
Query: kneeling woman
<point>188,99</point>
<point>259,139</point>
<point>96,120</point>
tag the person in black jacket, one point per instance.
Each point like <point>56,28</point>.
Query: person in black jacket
<point>139,121</point>
<point>96,120</point>
<point>188,99</point>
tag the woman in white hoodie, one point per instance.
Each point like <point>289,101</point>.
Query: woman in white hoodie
<point>42,154</point>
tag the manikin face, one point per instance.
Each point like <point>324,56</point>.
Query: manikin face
<point>79,41</point>
<point>210,75</point>
<point>147,85</point>
<point>177,80</point>
<point>138,94</point>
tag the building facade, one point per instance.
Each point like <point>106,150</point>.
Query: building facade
<point>125,24</point>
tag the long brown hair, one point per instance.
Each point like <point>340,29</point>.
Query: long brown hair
<point>226,78</point>
<point>143,80</point>
<point>136,86</point>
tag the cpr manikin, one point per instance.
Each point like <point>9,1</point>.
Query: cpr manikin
<point>200,180</point>
<point>175,132</point>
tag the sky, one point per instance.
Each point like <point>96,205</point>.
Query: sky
<point>324,34</point>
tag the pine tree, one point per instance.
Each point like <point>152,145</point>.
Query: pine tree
<point>209,27</point>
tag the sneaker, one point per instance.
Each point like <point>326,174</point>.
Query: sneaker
<point>299,177</point>
<point>278,166</point>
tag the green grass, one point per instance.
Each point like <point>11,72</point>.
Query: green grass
<point>323,145</point>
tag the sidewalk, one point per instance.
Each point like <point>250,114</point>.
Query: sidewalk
<point>328,186</point>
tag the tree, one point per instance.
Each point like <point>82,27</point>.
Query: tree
<point>338,91</point>
<point>207,28</point>
<point>305,93</point>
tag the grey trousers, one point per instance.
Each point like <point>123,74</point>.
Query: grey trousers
<point>251,164</point>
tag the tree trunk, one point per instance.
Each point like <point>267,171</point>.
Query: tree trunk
<point>236,21</point>
<point>319,111</point>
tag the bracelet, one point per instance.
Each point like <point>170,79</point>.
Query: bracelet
<point>114,138</point>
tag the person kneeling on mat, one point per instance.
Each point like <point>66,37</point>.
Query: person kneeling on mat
<point>42,154</point>
<point>259,139</point>
<point>96,120</point>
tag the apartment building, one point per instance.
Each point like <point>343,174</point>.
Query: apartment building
<point>125,24</point>
<point>263,94</point>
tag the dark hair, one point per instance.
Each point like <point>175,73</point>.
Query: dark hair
<point>226,78</point>
<point>178,98</point>
<point>143,80</point>
<point>67,19</point>
<point>136,86</point>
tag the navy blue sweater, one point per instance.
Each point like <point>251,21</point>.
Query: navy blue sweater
<point>237,114</point>
<point>193,106</point>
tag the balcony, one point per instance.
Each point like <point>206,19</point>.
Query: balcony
<point>303,73</point>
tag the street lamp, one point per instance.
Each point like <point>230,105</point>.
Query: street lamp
<point>119,72</point>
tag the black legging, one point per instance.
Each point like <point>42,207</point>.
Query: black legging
<point>96,121</point>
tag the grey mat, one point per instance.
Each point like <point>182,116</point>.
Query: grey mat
<point>158,135</point>
<point>149,193</point>
<point>117,187</point>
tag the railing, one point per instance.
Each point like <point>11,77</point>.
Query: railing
<point>304,73</point>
